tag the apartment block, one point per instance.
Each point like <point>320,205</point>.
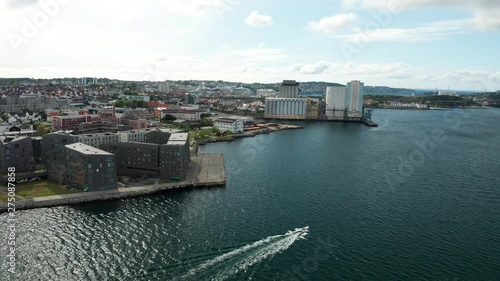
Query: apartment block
<point>84,167</point>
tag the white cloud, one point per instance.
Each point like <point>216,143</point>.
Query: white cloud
<point>315,68</point>
<point>394,69</point>
<point>20,3</point>
<point>485,12</point>
<point>185,31</point>
<point>430,31</point>
<point>257,20</point>
<point>259,54</point>
<point>197,8</point>
<point>378,69</point>
<point>334,24</point>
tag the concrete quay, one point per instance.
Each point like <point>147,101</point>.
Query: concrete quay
<point>205,170</point>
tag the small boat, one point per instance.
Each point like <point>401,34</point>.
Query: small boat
<point>303,229</point>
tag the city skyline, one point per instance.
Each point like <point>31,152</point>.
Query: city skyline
<point>406,44</point>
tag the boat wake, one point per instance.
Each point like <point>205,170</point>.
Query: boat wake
<point>240,259</point>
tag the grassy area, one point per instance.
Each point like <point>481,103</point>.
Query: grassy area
<point>42,188</point>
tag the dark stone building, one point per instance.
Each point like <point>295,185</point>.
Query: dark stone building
<point>134,159</point>
<point>175,157</point>
<point>99,127</point>
<point>78,165</point>
<point>150,160</point>
<point>17,153</point>
<point>55,140</point>
<point>159,136</point>
<point>37,149</point>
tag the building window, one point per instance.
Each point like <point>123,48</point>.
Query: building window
<point>89,166</point>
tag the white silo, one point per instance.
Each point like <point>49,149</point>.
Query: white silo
<point>336,101</point>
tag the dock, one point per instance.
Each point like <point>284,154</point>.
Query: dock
<point>365,121</point>
<point>204,171</point>
<point>369,123</point>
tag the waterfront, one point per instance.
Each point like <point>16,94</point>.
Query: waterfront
<point>375,210</point>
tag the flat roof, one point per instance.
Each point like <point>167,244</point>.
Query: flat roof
<point>12,139</point>
<point>17,133</point>
<point>226,120</point>
<point>167,130</point>
<point>290,99</point>
<point>178,139</point>
<point>289,83</point>
<point>75,116</point>
<point>86,149</point>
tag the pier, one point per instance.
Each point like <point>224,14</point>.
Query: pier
<point>204,171</point>
<point>365,121</point>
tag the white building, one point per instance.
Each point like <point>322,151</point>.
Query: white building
<point>95,140</point>
<point>229,124</point>
<point>447,93</point>
<point>132,136</point>
<point>136,98</point>
<point>286,108</point>
<point>266,93</point>
<point>189,115</point>
<point>289,89</point>
<point>163,87</point>
<point>336,102</point>
<point>355,94</point>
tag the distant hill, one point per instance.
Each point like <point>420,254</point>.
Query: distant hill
<point>305,88</point>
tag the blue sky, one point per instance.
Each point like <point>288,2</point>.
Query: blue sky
<point>400,43</point>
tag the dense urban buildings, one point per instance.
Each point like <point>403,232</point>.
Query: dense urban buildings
<point>340,103</point>
<point>289,89</point>
<point>136,97</point>
<point>16,103</point>
<point>67,122</point>
<point>229,124</point>
<point>81,166</point>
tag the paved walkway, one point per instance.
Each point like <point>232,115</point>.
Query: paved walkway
<point>203,170</point>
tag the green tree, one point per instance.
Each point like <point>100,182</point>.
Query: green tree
<point>120,103</point>
<point>133,86</point>
<point>4,117</point>
<point>215,130</point>
<point>205,122</point>
<point>41,130</point>
<point>229,133</point>
<point>169,117</point>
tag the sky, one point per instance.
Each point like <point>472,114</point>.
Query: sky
<point>420,44</point>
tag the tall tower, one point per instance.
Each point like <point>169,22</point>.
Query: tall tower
<point>336,102</point>
<point>355,94</point>
<point>289,89</point>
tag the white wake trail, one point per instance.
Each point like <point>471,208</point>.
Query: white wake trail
<point>266,252</point>
<point>248,255</point>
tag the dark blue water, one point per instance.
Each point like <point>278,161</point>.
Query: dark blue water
<point>417,198</point>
